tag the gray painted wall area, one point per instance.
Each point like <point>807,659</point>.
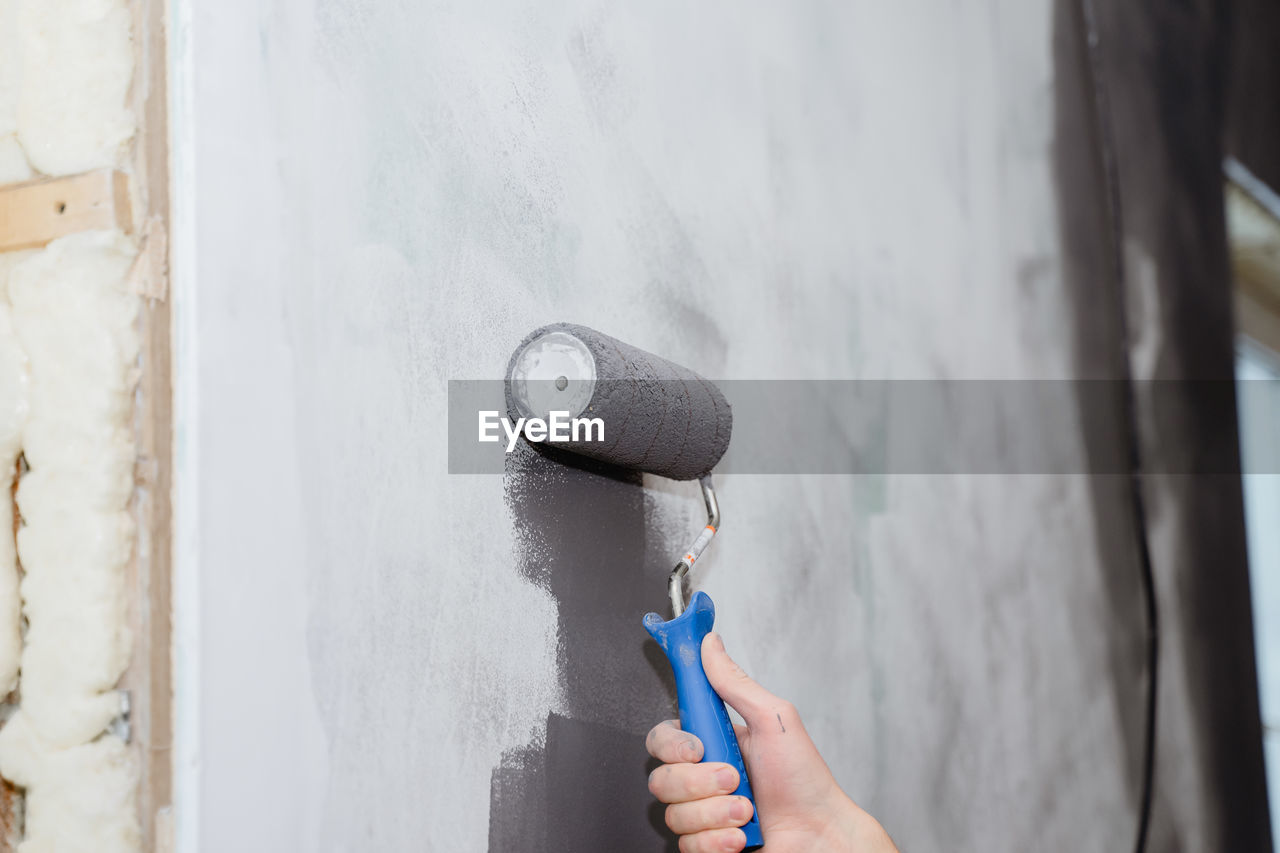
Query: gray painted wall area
<point>389,195</point>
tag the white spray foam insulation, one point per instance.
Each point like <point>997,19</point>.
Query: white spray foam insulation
<point>13,417</point>
<point>13,162</point>
<point>74,65</point>
<point>68,355</point>
<point>79,800</point>
<point>74,318</point>
<point>9,64</point>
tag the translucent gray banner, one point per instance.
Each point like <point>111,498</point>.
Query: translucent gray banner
<point>936,426</point>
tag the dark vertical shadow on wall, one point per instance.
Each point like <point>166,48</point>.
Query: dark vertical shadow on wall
<point>1139,175</point>
<point>582,534</point>
<point>1099,353</point>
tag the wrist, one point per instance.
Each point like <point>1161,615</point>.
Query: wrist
<point>856,831</point>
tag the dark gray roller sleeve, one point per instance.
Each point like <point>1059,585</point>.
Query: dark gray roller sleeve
<point>658,417</point>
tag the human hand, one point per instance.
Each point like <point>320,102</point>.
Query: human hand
<point>802,809</point>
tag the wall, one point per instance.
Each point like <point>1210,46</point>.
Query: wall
<point>386,196</point>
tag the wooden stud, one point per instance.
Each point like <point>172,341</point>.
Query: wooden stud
<point>150,675</point>
<point>35,212</point>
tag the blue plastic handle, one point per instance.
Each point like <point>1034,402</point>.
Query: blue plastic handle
<point>702,711</point>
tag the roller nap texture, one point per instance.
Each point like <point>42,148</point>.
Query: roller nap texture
<point>658,417</point>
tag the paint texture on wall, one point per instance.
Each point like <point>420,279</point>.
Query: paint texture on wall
<point>756,191</point>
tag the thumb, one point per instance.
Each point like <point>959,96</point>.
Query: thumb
<point>753,702</point>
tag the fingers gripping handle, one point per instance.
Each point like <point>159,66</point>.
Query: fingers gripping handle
<point>702,712</point>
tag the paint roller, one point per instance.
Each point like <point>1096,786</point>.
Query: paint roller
<point>664,419</point>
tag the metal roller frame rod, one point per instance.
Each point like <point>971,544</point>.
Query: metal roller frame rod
<point>675,583</point>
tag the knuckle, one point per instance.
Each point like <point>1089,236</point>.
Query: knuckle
<point>663,740</point>
<point>713,813</point>
<point>695,816</point>
<point>708,841</point>
<point>668,784</point>
<point>655,784</point>
<point>709,782</point>
<point>695,843</point>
